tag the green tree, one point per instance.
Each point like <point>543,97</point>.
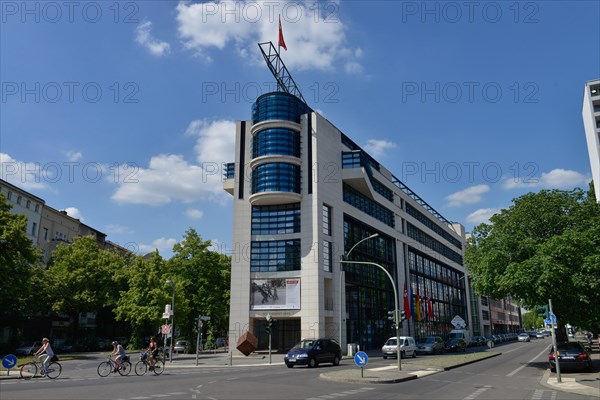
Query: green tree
<point>204,277</point>
<point>544,246</point>
<point>19,261</point>
<point>78,278</point>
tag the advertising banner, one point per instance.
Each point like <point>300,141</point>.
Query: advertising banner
<point>275,294</point>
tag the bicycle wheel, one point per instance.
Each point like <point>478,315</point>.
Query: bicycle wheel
<point>28,370</point>
<point>104,368</point>
<point>159,367</point>
<point>140,368</point>
<point>125,368</point>
<point>54,370</point>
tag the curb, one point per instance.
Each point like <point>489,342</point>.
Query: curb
<point>492,355</point>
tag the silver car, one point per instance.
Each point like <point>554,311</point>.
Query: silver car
<point>431,345</point>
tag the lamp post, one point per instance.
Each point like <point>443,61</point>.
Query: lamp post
<point>170,282</point>
<point>343,260</point>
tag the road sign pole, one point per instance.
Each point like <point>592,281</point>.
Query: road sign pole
<point>551,317</point>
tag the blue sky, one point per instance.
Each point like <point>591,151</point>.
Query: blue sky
<point>122,113</point>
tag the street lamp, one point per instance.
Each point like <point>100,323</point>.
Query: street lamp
<point>343,258</point>
<point>170,282</point>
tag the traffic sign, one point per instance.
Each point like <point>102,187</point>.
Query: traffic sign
<point>9,361</point>
<point>204,318</point>
<point>166,329</point>
<point>361,359</point>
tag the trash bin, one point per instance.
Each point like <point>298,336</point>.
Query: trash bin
<point>352,348</point>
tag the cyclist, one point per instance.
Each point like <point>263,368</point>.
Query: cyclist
<point>46,354</point>
<point>120,354</point>
<point>153,350</point>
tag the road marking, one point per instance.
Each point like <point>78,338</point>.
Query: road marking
<point>537,395</point>
<point>528,362</point>
<point>477,393</point>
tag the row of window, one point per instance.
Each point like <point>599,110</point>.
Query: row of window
<point>276,219</point>
<point>435,245</point>
<point>275,255</point>
<point>276,177</point>
<point>422,218</point>
<point>9,196</point>
<point>276,141</point>
<point>368,206</point>
<point>382,190</point>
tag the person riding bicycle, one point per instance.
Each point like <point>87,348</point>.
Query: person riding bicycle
<point>153,350</point>
<point>120,354</point>
<point>46,354</point>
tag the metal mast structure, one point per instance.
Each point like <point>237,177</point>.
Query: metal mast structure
<point>285,82</point>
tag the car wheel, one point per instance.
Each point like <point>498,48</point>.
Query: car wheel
<point>336,361</point>
<point>312,363</point>
<point>290,365</point>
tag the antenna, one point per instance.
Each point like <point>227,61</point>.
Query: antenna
<point>285,82</point>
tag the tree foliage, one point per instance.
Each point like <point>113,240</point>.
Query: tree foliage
<point>18,259</point>
<point>546,245</point>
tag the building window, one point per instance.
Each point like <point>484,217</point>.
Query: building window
<point>9,196</point>
<point>275,255</point>
<point>277,219</point>
<point>46,234</point>
<point>422,218</point>
<point>276,177</point>
<point>326,220</point>
<point>368,206</point>
<point>327,256</point>
<point>435,245</point>
<point>28,204</point>
<point>19,200</point>
<point>278,105</point>
<point>276,141</point>
<point>485,315</point>
<point>34,229</point>
<point>37,208</point>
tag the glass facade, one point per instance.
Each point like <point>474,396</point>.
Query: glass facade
<point>275,255</point>
<point>278,105</point>
<point>276,177</point>
<point>326,220</point>
<point>276,141</point>
<point>369,292</point>
<point>327,256</point>
<point>434,244</point>
<point>436,287</point>
<point>366,205</point>
<point>276,219</point>
<point>422,218</point>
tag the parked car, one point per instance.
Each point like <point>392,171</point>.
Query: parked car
<point>478,341</point>
<point>222,341</point>
<point>456,345</point>
<point>180,346</point>
<point>408,347</point>
<point>523,337</point>
<point>28,349</point>
<point>540,335</point>
<point>571,355</point>
<point>431,345</point>
<point>312,352</point>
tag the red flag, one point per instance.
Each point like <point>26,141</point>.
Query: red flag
<point>429,308</point>
<point>406,303</point>
<point>281,40</point>
<point>418,315</point>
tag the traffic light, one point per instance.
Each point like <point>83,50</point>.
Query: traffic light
<point>391,316</point>
<point>542,311</point>
<point>402,315</point>
<point>270,324</point>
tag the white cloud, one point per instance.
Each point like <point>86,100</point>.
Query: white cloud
<point>74,213</point>
<point>556,179</point>
<point>169,177</point>
<point>155,46</point>
<point>482,215</point>
<point>470,195</point>
<point>194,214</point>
<point>377,148</point>
<point>74,155</point>
<point>163,245</point>
<point>315,37</point>
<point>28,176</point>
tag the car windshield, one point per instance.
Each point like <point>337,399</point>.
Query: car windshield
<point>429,340</point>
<point>391,342</point>
<point>304,344</point>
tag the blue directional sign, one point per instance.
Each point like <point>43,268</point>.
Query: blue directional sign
<point>361,359</point>
<point>9,361</point>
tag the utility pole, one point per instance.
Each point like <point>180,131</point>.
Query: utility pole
<point>552,318</point>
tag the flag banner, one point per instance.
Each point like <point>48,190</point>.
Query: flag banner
<point>281,42</point>
<point>418,307</point>
<point>407,313</point>
<point>429,308</point>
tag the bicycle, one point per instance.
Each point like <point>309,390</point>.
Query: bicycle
<point>30,369</point>
<point>110,366</point>
<point>142,366</point>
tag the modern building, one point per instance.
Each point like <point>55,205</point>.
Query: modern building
<point>591,122</point>
<point>505,316</point>
<point>304,194</point>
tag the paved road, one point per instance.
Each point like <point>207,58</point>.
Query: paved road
<point>518,373</point>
